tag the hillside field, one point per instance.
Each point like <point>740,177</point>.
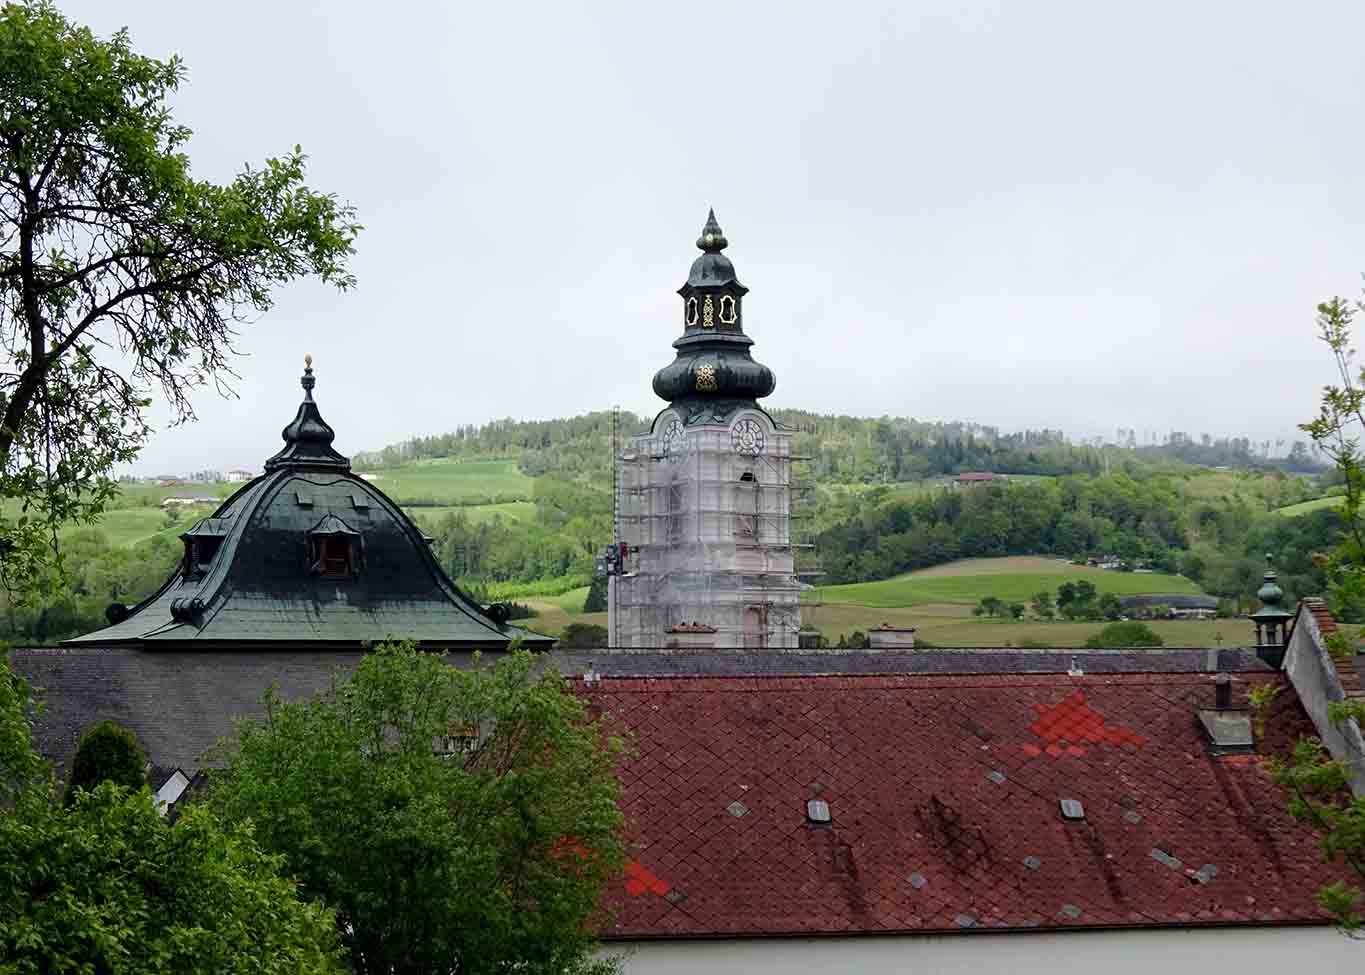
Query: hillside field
<point>1013,579</point>
<point>938,603</point>
<point>1304,507</point>
<point>451,482</point>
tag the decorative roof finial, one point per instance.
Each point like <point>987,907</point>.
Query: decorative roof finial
<point>308,382</point>
<point>712,239</point>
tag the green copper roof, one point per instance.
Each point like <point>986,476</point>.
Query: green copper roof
<point>1271,596</point>
<point>264,585</point>
<point>713,360</point>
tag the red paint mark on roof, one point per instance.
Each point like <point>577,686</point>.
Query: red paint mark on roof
<point>640,878</point>
<point>1073,721</point>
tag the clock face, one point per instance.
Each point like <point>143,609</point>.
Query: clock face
<point>675,439</point>
<point>747,437</point>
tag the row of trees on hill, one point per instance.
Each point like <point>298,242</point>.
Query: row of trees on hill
<point>846,449</point>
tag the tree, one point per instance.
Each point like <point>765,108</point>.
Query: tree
<point>106,753</point>
<point>1110,607</point>
<point>1017,610</point>
<point>120,274</point>
<point>991,606</point>
<point>1130,633</point>
<point>456,820</point>
<point>583,636</point>
<point>1042,605</point>
<point>106,885</point>
<point>1319,785</point>
<point>1066,595</point>
<point>596,601</point>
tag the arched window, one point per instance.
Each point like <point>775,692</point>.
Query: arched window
<point>727,310</point>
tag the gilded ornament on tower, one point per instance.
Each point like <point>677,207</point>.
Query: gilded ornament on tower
<point>708,311</point>
<point>706,378</point>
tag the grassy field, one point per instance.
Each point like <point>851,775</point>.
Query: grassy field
<point>513,510</point>
<point>1013,579</point>
<point>938,603</point>
<point>454,481</point>
<point>947,625</point>
<point>1304,507</point>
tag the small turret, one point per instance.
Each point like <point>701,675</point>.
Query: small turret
<point>1272,619</point>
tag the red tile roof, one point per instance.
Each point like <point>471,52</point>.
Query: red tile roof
<point>1347,668</point>
<point>944,795</point>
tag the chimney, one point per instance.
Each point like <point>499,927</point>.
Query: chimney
<point>1222,692</point>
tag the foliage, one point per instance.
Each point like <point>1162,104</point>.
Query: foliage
<point>1042,605</point>
<point>106,753</point>
<point>1129,633</point>
<point>120,274</point>
<point>1320,796</point>
<point>1336,431</point>
<point>455,820</point>
<point>596,601</point>
<point>583,636</point>
<point>105,885</point>
<point>1261,697</point>
<point>1318,785</point>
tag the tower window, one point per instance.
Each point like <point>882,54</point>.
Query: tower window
<point>691,315</point>
<point>727,310</point>
<point>334,558</point>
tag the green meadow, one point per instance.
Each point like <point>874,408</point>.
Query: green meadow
<point>1013,579</point>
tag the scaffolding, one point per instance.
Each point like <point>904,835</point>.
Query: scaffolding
<point>710,537</point>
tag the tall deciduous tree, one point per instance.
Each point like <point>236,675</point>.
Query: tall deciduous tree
<point>105,885</point>
<point>120,274</point>
<point>458,821</point>
<point>1318,786</point>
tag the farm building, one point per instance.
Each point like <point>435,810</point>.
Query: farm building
<point>972,478</point>
<point>1174,606</point>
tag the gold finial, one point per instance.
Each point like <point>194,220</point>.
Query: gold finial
<point>307,359</point>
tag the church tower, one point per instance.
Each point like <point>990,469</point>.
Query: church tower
<point>704,499</point>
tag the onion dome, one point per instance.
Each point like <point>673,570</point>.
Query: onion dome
<point>713,360</point>
<point>308,439</point>
<point>308,555</point>
<point>1272,618</point>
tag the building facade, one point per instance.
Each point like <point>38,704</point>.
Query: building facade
<point>704,498</point>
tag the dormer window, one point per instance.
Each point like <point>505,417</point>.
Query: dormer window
<point>335,549</point>
<point>334,558</point>
<point>202,543</point>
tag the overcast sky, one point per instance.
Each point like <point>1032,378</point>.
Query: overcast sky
<point>1073,215</point>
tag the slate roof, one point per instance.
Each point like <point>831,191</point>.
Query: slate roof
<point>262,588</point>
<point>945,798</point>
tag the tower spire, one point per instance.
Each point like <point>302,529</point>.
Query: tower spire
<point>712,239</point>
<point>713,364</point>
<point>308,438</point>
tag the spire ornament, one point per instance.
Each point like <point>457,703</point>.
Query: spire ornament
<point>308,438</point>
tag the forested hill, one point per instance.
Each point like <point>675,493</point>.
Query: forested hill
<point>846,449</point>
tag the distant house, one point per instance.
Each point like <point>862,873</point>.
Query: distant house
<point>888,637</point>
<point>180,501</point>
<point>1176,606</point>
<point>970,478</point>
<point>207,476</point>
<point>239,475</point>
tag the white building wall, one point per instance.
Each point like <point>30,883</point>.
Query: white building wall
<point>1234,950</point>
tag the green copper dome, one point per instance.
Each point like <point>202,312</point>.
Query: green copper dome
<point>713,360</point>
<point>1271,596</point>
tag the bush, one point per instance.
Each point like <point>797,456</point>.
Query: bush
<point>583,636</point>
<point>106,753</point>
<point>1130,633</point>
